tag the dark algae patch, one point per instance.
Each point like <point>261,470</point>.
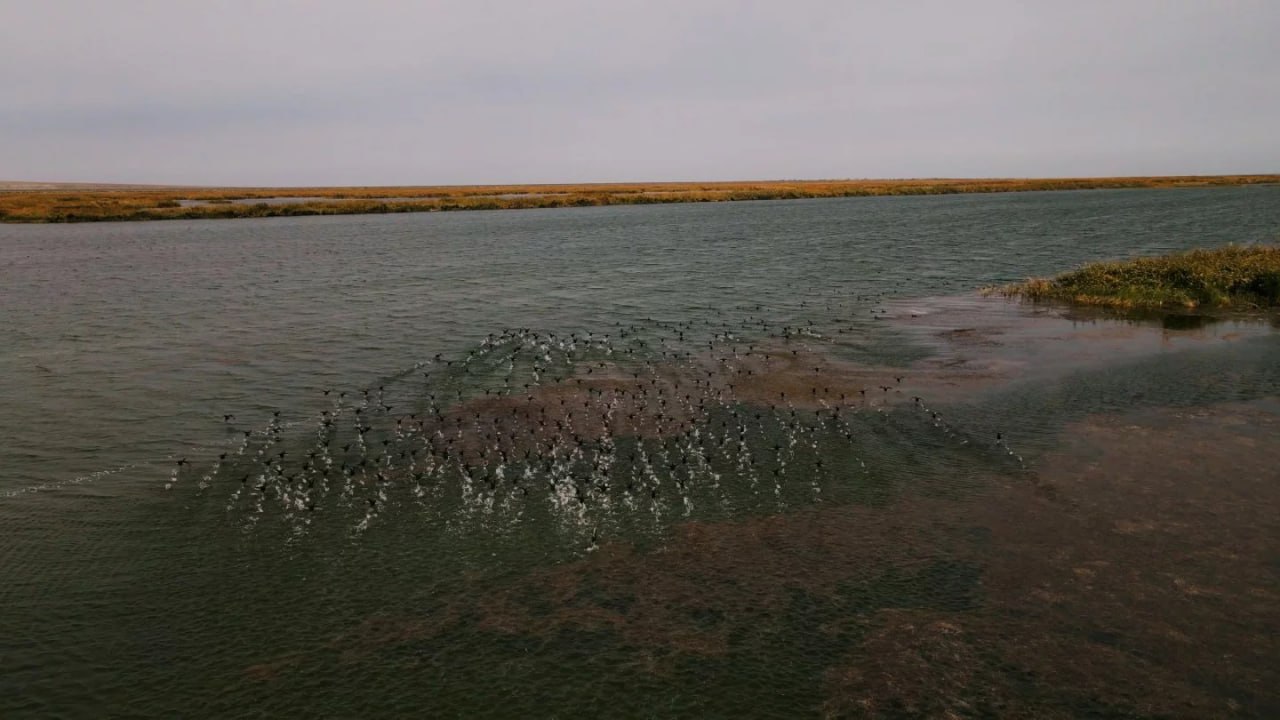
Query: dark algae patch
<point>1232,278</point>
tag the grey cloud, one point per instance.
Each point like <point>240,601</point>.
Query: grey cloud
<point>388,92</point>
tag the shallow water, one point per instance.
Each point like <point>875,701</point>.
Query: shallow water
<point>746,458</point>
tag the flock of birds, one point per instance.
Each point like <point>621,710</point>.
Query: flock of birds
<point>651,422</point>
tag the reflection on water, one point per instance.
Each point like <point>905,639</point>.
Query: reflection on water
<point>1179,321</point>
<point>681,461</point>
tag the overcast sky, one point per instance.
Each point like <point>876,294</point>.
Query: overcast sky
<point>344,92</point>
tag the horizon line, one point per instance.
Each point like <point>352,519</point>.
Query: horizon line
<point>21,185</point>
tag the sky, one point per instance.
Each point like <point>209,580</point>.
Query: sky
<point>335,92</point>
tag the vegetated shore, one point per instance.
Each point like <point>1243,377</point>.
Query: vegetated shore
<point>79,202</point>
<point>1235,278</point>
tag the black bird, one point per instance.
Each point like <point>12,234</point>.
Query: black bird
<point>228,418</point>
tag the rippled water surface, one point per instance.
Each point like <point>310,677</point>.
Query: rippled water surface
<point>747,459</point>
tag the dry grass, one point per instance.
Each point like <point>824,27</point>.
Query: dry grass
<point>86,203</point>
<point>1231,277</point>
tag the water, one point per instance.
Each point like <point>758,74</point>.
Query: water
<point>657,457</point>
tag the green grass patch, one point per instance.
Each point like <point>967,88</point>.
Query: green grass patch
<point>1233,277</point>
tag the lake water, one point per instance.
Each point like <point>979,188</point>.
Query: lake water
<point>763,458</point>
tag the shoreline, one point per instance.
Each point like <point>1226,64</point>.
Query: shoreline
<point>76,202</point>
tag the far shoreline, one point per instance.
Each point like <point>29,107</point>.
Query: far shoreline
<point>81,202</point>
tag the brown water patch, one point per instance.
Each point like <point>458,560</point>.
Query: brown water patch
<point>609,403</point>
<point>805,375</point>
<point>714,579</point>
<point>708,582</point>
<point>1148,584</point>
<point>609,400</point>
<point>1134,576</point>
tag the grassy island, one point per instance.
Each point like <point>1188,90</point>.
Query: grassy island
<point>1231,278</point>
<point>46,203</point>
